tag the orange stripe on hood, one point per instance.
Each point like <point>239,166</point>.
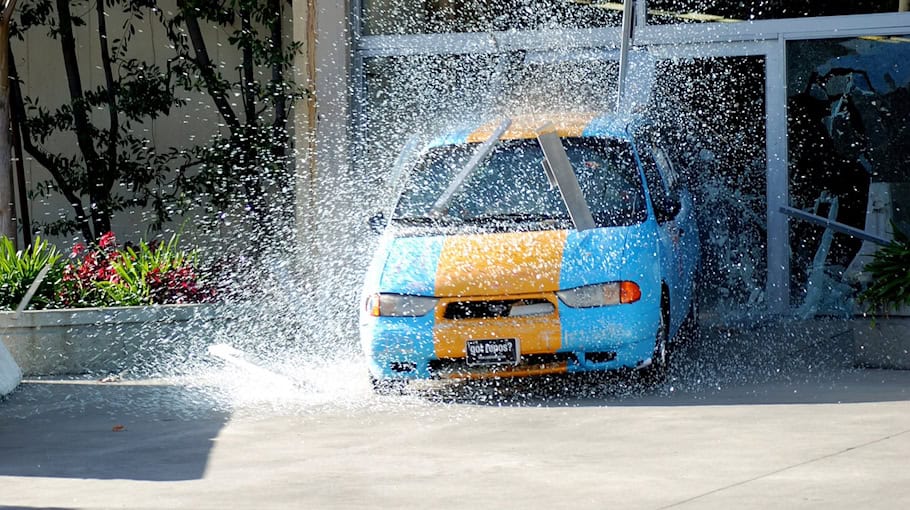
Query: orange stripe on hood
<point>510,263</point>
<point>567,125</point>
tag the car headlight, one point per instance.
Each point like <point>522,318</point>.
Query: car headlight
<point>399,305</point>
<point>601,294</point>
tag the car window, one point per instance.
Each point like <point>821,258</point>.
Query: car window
<point>660,174</point>
<point>667,170</point>
<point>511,182</point>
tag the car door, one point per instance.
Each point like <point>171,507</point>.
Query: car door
<point>687,243</point>
<point>672,219</point>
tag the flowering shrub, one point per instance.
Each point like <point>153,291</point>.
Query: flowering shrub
<point>103,274</point>
<point>86,268</point>
<point>152,273</point>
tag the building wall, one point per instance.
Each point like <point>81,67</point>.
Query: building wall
<point>39,61</point>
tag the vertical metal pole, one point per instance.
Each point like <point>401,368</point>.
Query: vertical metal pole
<point>641,13</point>
<point>624,51</point>
<point>778,278</point>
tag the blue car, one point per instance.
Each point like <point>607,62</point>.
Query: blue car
<point>534,245</point>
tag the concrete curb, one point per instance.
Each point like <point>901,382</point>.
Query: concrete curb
<point>10,374</point>
<point>103,340</point>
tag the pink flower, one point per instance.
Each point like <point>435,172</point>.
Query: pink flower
<point>78,248</point>
<point>107,240</point>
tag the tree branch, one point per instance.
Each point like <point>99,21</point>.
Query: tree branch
<point>17,111</point>
<point>247,79</point>
<point>9,6</point>
<point>114,134</point>
<point>97,195</point>
<point>281,110</point>
<point>206,68</point>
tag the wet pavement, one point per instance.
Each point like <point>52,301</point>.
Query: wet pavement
<point>785,422</point>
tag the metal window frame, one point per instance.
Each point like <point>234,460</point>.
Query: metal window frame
<point>766,38</point>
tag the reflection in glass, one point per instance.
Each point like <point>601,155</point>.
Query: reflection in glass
<point>439,16</point>
<point>718,104</point>
<point>849,126</point>
<point>700,11</point>
<point>510,185</point>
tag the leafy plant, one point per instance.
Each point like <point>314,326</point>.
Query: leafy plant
<point>18,269</point>
<point>156,273</point>
<point>152,273</point>
<point>87,267</point>
<point>114,167</point>
<point>890,270</point>
<point>244,171</point>
<point>241,169</point>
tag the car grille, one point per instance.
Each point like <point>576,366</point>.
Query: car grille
<point>499,308</point>
<point>448,365</point>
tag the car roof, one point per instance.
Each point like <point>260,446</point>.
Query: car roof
<point>568,125</point>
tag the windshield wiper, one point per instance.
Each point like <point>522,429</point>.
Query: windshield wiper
<point>479,156</point>
<point>426,220</point>
<point>559,169</point>
<point>514,217</point>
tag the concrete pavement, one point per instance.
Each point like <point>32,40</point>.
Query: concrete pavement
<point>802,430</point>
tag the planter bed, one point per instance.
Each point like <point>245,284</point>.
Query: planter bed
<point>103,340</point>
<point>882,341</point>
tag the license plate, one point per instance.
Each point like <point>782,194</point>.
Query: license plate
<point>502,351</point>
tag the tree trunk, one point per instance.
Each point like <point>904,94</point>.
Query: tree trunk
<point>207,69</point>
<point>280,122</point>
<point>7,204</point>
<point>114,115</point>
<point>307,187</point>
<point>249,79</point>
<point>94,167</point>
<point>17,112</point>
<point>24,216</point>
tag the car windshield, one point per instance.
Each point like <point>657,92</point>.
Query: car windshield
<point>511,184</point>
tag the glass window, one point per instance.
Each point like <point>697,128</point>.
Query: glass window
<point>440,16</point>
<point>511,184</point>
<point>431,95</point>
<point>849,126</point>
<point>700,11</point>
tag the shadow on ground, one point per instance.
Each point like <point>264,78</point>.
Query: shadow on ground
<point>83,429</point>
<point>771,363</point>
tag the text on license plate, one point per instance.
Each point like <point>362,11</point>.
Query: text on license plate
<point>501,351</point>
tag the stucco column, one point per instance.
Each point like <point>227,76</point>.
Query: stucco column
<point>304,23</point>
<point>321,121</point>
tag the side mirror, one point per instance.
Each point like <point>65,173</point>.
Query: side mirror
<point>667,209</point>
<point>377,222</point>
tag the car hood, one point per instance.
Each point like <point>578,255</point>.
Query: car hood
<point>500,264</point>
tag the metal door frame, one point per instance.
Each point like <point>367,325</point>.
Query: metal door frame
<point>765,38</point>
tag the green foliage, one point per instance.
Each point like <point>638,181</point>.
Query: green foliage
<point>141,271</point>
<point>152,273</point>
<point>102,275</point>
<point>116,168</point>
<point>241,166</point>
<point>890,270</point>
<point>246,167</point>
<point>18,269</point>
